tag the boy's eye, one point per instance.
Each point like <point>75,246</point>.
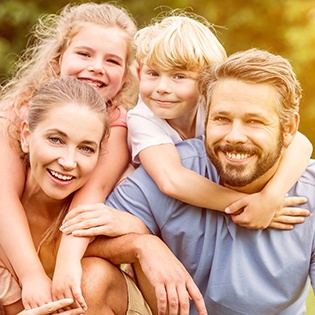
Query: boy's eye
<point>179,76</point>
<point>152,73</point>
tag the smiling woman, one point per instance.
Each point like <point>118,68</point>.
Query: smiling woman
<point>60,144</point>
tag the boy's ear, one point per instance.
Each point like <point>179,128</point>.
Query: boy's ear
<point>25,133</point>
<point>138,73</point>
<point>291,130</point>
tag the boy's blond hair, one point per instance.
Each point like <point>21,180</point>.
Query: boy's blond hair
<point>180,40</point>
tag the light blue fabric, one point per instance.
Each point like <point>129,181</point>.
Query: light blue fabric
<point>239,271</point>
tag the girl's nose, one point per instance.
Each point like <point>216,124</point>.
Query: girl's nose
<point>97,68</point>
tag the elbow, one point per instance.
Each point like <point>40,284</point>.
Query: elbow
<point>168,186</point>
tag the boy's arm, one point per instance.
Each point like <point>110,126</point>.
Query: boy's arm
<point>163,164</point>
<point>111,164</point>
<point>271,199</point>
<point>15,236</point>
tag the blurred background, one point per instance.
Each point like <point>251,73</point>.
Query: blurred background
<point>285,27</point>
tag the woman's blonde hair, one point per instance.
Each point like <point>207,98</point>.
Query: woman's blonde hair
<point>62,92</point>
<point>49,39</point>
<point>179,40</point>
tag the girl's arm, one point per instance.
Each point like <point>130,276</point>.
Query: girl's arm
<point>292,165</point>
<point>111,164</point>
<point>15,236</point>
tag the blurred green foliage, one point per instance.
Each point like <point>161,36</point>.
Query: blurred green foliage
<point>286,27</point>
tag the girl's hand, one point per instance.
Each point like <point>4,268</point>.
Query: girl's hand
<point>67,284</point>
<point>99,219</point>
<point>36,290</point>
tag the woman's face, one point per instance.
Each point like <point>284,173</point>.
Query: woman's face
<point>63,149</point>
<point>97,55</point>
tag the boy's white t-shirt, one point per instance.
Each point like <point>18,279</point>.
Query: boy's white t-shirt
<point>145,129</point>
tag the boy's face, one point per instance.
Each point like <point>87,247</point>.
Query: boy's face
<point>169,94</point>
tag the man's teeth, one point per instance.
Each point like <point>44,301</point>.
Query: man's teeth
<point>238,156</point>
<point>59,176</point>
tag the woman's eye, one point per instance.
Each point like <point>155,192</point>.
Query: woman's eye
<point>54,139</point>
<point>87,149</point>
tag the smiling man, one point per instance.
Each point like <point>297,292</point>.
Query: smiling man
<point>252,117</point>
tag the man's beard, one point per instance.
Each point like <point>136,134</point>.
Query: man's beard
<point>240,175</point>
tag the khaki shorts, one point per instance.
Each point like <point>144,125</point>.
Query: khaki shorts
<point>137,305</point>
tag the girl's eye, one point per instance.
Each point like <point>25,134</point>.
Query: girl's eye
<point>83,54</point>
<point>116,62</point>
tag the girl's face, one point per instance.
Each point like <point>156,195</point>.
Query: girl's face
<point>63,149</point>
<point>97,55</point>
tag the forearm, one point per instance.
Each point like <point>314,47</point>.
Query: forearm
<point>119,250</point>
<point>164,166</point>
<point>289,171</point>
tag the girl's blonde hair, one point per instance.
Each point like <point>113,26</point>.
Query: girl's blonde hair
<point>180,40</point>
<point>50,38</point>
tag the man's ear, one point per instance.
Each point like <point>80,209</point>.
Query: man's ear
<point>25,133</point>
<point>291,130</point>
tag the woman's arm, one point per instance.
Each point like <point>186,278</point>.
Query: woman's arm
<point>111,164</point>
<point>15,236</point>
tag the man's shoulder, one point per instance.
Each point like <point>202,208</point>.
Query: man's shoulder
<point>308,177</point>
<point>305,186</point>
<point>194,157</point>
<point>192,148</point>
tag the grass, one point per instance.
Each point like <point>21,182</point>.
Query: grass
<point>310,303</point>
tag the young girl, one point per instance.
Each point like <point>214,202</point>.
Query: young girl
<point>94,43</point>
<point>171,55</point>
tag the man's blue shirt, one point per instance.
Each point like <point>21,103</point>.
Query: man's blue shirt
<point>238,270</point>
